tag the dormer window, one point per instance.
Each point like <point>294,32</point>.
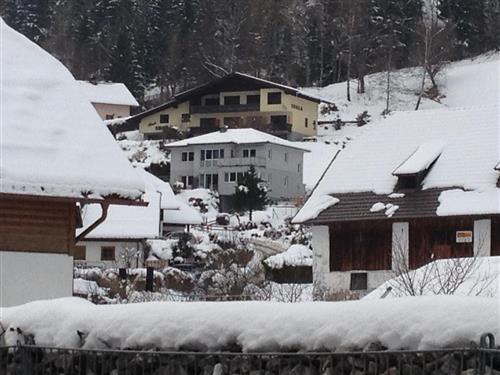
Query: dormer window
<point>413,170</point>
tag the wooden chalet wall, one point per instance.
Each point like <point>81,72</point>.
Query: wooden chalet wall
<point>435,238</point>
<point>365,245</point>
<point>37,225</point>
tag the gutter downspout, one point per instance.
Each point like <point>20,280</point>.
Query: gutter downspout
<point>104,215</point>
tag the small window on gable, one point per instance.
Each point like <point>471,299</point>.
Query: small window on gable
<point>412,171</point>
<point>164,119</point>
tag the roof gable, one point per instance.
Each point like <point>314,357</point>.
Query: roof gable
<point>53,142</point>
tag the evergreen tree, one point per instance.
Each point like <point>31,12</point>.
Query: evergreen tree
<point>470,21</point>
<point>250,193</point>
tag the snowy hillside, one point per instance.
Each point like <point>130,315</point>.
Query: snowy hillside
<point>462,83</point>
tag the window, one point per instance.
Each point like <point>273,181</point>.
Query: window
<point>232,100</point>
<point>359,281</point>
<point>80,253</point>
<point>164,119</point>
<point>253,99</point>
<point>202,155</point>
<point>233,153</point>
<point>285,181</point>
<point>274,98</point>
<point>270,154</point>
<point>215,154</point>
<point>185,117</point>
<point>187,181</point>
<point>249,153</point>
<point>239,176</point>
<point>279,119</point>
<point>211,181</point>
<point>298,167</point>
<point>314,124</point>
<point>187,156</point>
<point>212,101</point>
<point>306,122</point>
<point>221,153</point>
<point>230,177</point>
<point>208,154</point>
<point>108,253</point>
<point>110,117</point>
<point>286,157</point>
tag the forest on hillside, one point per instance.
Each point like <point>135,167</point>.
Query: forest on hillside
<point>174,44</point>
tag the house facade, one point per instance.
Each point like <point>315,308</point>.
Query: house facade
<point>120,240</point>
<point>416,187</point>
<point>216,161</point>
<point>235,101</point>
<point>53,162</point>
<point>110,100</point>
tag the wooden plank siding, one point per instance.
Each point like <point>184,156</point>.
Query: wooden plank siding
<point>495,236</point>
<point>37,225</point>
<point>360,246</point>
<point>435,238</point>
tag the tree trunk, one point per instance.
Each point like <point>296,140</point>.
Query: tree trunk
<point>361,84</point>
<point>349,56</point>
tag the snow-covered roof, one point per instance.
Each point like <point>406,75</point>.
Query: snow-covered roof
<point>141,222</point>
<point>108,93</point>
<point>53,142</point>
<point>237,136</point>
<point>468,150</point>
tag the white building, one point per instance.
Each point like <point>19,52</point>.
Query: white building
<point>110,100</point>
<point>126,229</point>
<point>415,187</point>
<point>55,154</point>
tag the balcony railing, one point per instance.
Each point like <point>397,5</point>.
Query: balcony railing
<point>235,162</point>
<point>224,108</point>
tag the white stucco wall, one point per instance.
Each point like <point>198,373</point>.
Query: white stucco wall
<point>482,237</point>
<point>26,277</point>
<point>93,252</point>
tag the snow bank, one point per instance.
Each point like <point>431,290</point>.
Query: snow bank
<point>295,256</point>
<point>53,141</point>
<point>413,323</point>
<point>480,278</point>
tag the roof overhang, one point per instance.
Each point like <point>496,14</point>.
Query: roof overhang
<point>81,200</point>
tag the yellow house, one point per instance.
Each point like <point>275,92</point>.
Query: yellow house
<point>236,100</point>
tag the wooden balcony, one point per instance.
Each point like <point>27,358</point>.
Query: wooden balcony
<point>224,108</point>
<point>242,162</point>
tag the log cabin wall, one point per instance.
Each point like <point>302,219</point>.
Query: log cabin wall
<point>37,225</point>
<point>364,245</point>
<point>435,238</point>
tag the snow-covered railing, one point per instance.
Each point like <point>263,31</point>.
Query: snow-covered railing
<point>42,360</point>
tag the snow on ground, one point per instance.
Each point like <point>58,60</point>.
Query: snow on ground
<point>295,256</point>
<point>144,153</point>
<point>411,323</point>
<point>463,83</point>
<point>460,277</point>
<point>86,287</point>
